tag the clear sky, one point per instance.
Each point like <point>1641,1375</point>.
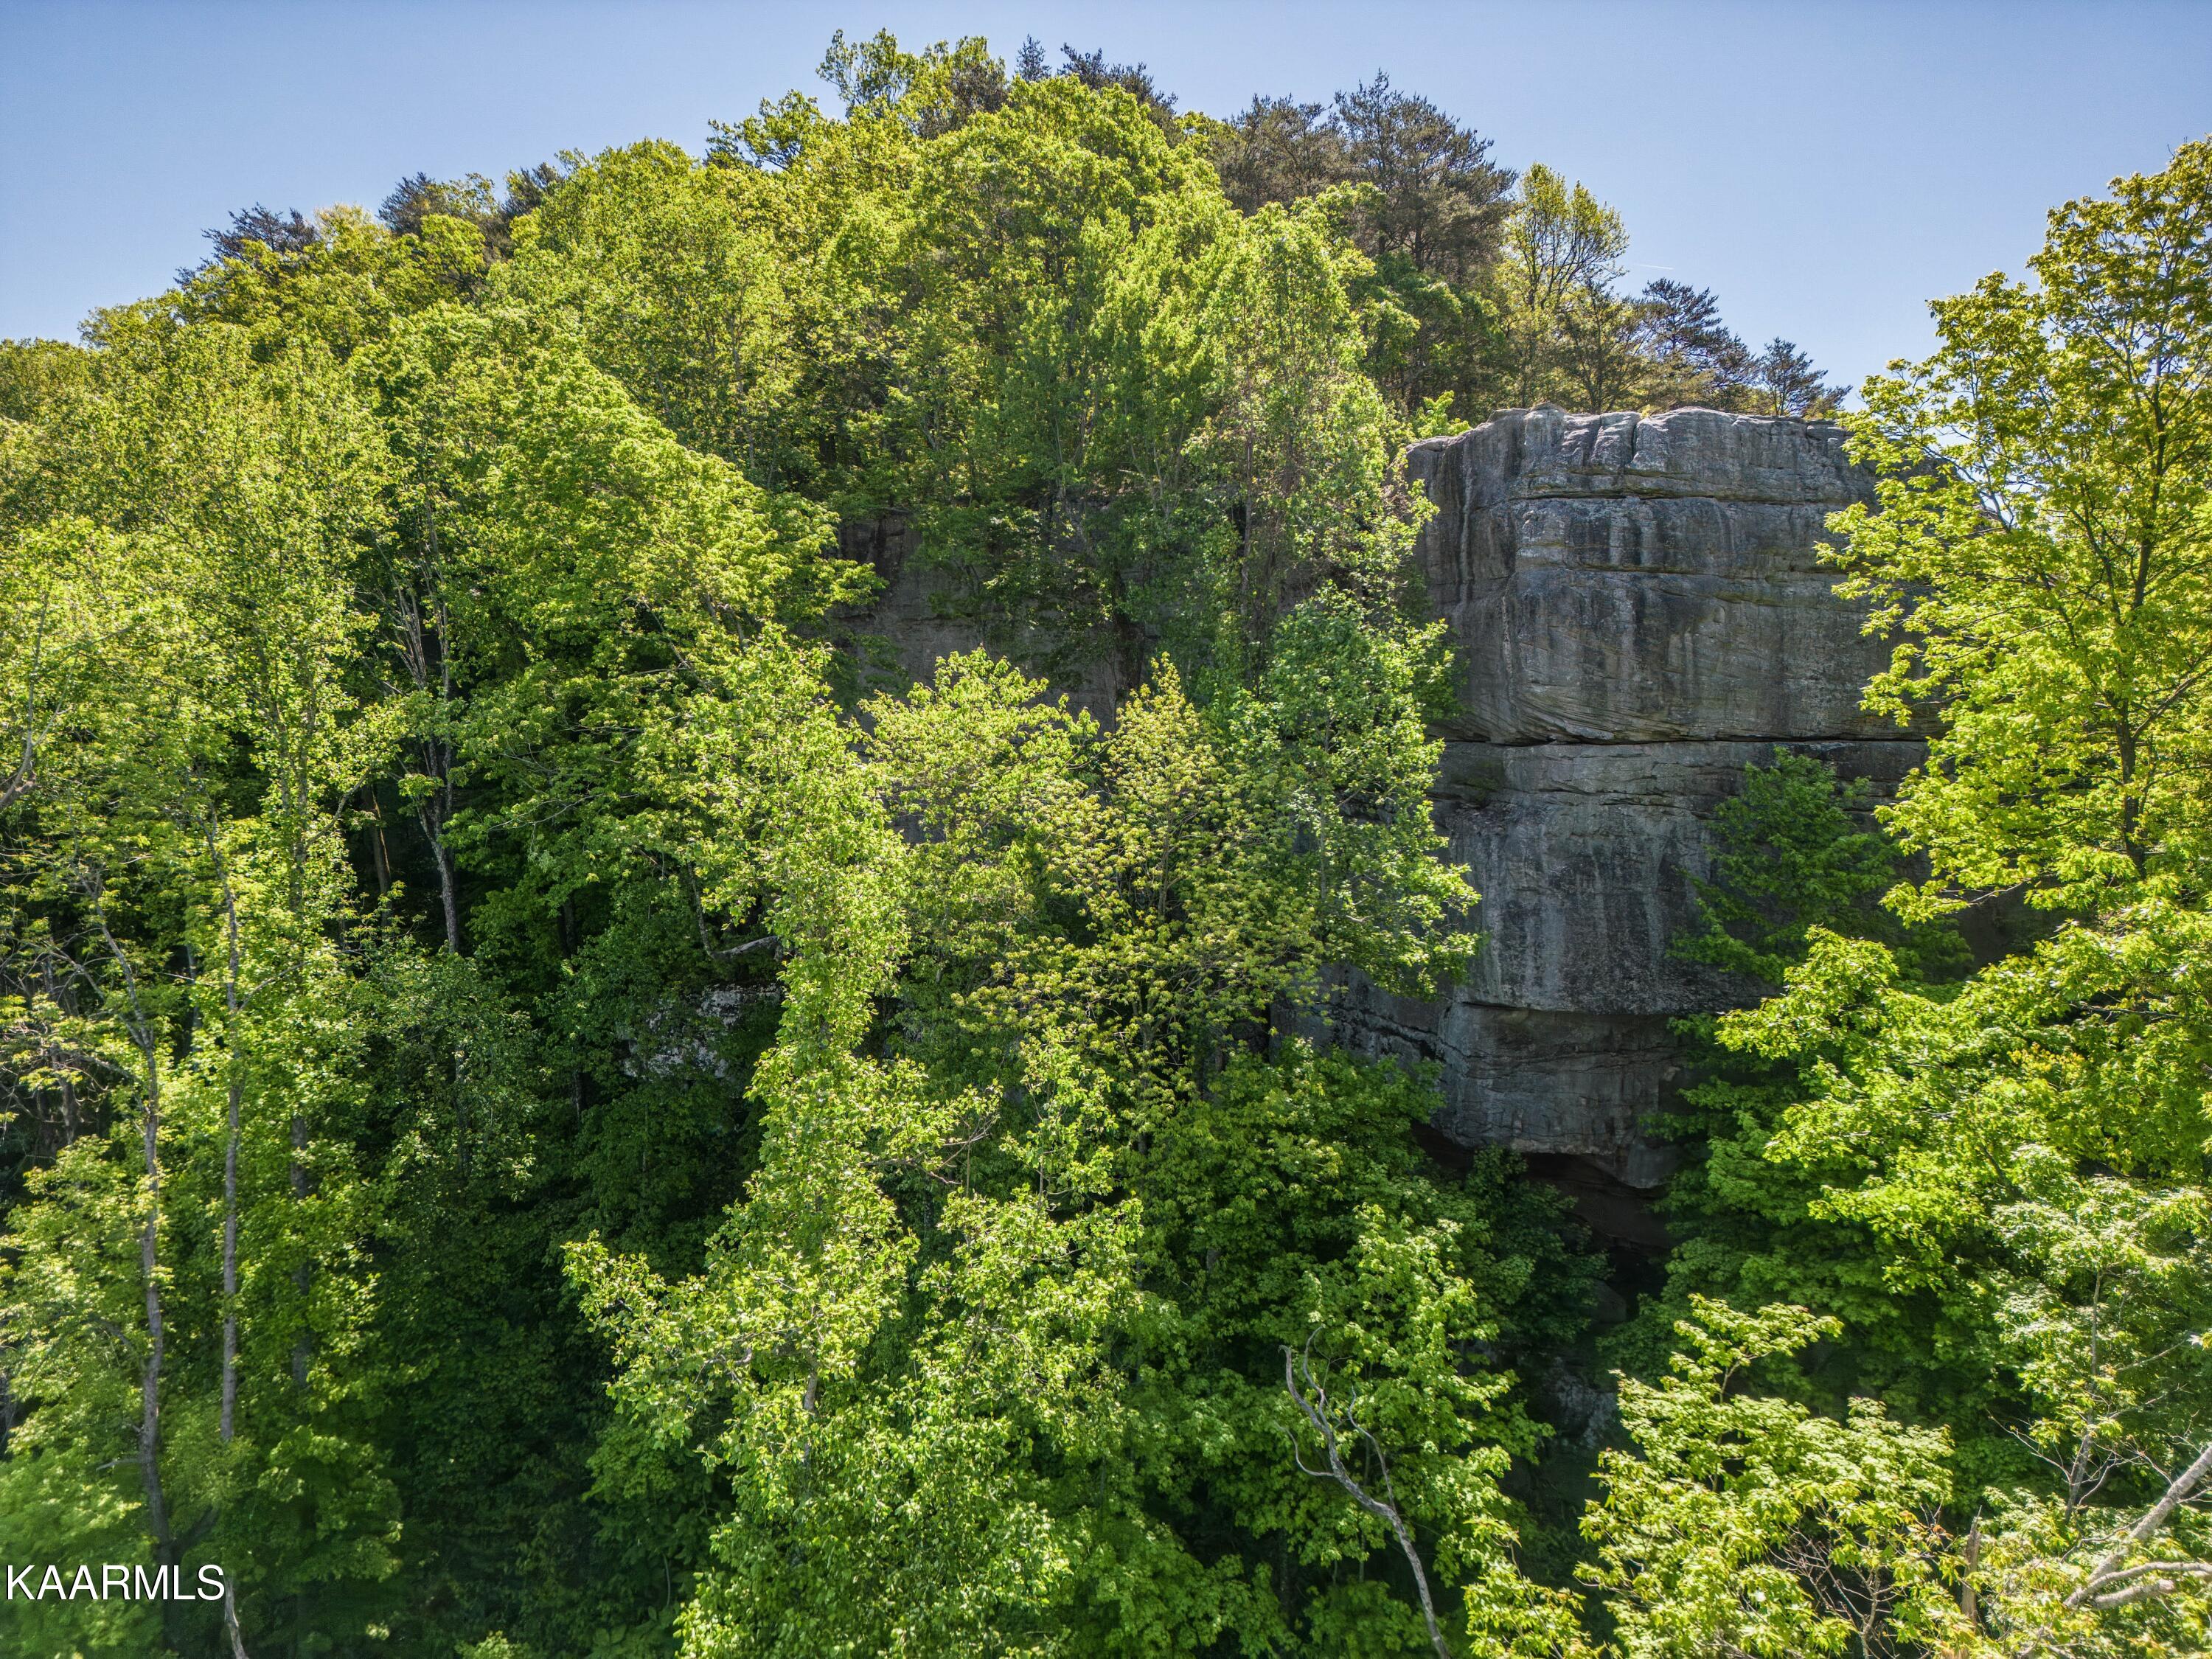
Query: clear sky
<point>1824,167</point>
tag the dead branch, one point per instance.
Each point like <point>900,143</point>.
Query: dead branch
<point>2107,1586</point>
<point>1312,1400</point>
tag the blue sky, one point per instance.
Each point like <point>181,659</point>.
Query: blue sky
<point>1825,167</point>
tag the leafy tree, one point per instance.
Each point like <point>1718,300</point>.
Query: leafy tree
<point>173,971</point>
<point>1037,1312</point>
<point>933,91</point>
<point>1092,70</point>
<point>1788,383</point>
<point>257,228</point>
<point>1440,200</point>
<point>1694,358</point>
<point>1429,211</point>
<point>2039,539</point>
<point>1746,1524</point>
<point>1017,1132</point>
<point>1564,327</point>
<point>450,832</point>
<point>1793,852</point>
<point>32,372</point>
<point>1279,150</point>
<point>341,289</point>
<point>419,198</point>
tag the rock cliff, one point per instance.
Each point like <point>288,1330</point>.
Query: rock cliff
<point>1641,610</point>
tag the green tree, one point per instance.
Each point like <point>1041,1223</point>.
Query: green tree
<point>1696,357</point>
<point>1746,1524</point>
<point>1795,851</point>
<point>1566,332</point>
<point>1001,1347</point>
<point>450,829</point>
<point>32,372</point>
<point>174,888</point>
<point>1428,206</point>
<point>2040,539</point>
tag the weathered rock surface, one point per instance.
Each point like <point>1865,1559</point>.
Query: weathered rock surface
<point>1619,579</point>
<point>1642,612</point>
<point>1585,854</point>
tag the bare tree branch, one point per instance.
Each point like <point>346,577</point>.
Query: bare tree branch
<point>2097,1591</point>
<point>1312,1400</point>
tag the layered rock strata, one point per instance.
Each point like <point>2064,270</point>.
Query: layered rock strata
<point>1642,612</point>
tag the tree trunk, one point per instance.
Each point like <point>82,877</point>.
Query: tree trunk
<point>144,1037</point>
<point>227,1427</point>
<point>377,847</point>
<point>150,1386</point>
<point>229,1422</point>
<point>301,1275</point>
<point>149,1378</point>
<point>447,889</point>
<point>1315,1410</point>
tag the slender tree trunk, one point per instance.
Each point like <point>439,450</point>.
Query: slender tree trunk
<point>302,1346</point>
<point>300,1278</point>
<point>2131,806</point>
<point>446,888</point>
<point>228,1421</point>
<point>571,942</point>
<point>448,884</point>
<point>2110,1586</point>
<point>150,1376</point>
<point>149,1259</point>
<point>377,847</point>
<point>62,997</point>
<point>144,1037</point>
<point>419,637</point>
<point>230,1618</point>
<point>1316,1409</point>
<point>150,1383</point>
<point>229,1424</point>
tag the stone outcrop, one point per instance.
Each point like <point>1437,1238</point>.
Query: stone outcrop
<point>1622,579</point>
<point>1642,612</point>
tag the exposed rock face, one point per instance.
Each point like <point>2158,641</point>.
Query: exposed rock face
<point>1617,579</point>
<point>1642,611</point>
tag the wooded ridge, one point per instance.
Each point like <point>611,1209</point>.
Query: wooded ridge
<point>958,883</point>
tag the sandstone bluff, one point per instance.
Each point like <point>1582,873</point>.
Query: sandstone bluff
<point>1641,610</point>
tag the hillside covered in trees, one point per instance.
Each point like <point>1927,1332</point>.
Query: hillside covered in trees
<point>551,1103</point>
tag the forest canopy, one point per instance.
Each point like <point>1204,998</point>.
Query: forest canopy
<point>553,1100</point>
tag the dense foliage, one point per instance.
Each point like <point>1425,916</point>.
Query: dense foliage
<point>556,1102</point>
